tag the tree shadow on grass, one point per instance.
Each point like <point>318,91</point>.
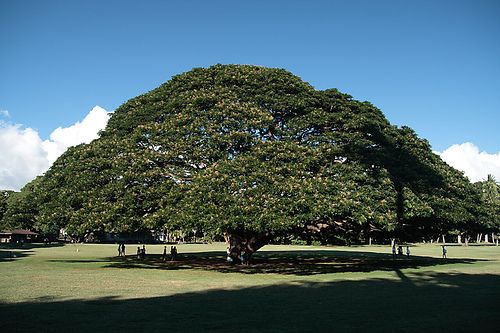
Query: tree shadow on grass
<point>435,302</point>
<point>7,255</point>
<point>29,246</point>
<point>10,252</point>
<point>301,263</point>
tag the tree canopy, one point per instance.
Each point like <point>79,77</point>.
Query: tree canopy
<point>253,153</point>
<point>489,190</point>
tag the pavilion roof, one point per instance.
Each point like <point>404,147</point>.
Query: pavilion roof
<point>19,232</point>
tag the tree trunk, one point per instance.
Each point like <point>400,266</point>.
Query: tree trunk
<point>459,239</point>
<point>444,240</point>
<point>486,238</point>
<point>466,240</point>
<point>370,241</point>
<point>248,243</point>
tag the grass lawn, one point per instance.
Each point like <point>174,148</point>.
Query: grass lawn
<point>86,288</point>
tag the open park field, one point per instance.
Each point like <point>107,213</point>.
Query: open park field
<point>86,287</point>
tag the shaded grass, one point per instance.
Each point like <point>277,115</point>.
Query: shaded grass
<point>287,262</point>
<point>436,302</point>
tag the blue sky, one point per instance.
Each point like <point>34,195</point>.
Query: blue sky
<point>431,65</point>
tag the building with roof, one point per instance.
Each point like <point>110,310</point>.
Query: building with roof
<point>18,236</point>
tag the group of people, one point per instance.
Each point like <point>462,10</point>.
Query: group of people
<point>121,249</point>
<point>173,253</point>
<point>243,256</point>
<point>399,250</point>
<point>141,252</point>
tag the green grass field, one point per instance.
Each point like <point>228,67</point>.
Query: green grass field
<point>86,288</point>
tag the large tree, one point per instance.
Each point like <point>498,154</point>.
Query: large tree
<point>253,153</point>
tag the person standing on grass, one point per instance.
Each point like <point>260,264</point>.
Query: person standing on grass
<point>172,253</point>
<point>243,257</point>
<point>164,257</point>
<point>407,251</point>
<point>444,251</point>
<point>228,255</point>
<point>123,249</point>
<point>394,250</point>
<point>139,252</point>
<point>119,250</point>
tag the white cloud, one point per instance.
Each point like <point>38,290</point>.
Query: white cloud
<point>4,113</point>
<point>23,155</point>
<point>474,163</point>
<point>81,132</point>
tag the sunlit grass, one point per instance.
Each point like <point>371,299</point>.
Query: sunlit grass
<point>75,274</point>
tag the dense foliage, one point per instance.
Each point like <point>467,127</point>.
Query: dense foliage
<point>490,197</point>
<point>4,197</point>
<point>251,153</point>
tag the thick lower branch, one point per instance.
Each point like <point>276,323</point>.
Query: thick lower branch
<point>240,247</point>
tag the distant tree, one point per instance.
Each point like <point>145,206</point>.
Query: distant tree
<point>490,197</point>
<point>490,190</point>
<point>4,197</point>
<point>22,207</point>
